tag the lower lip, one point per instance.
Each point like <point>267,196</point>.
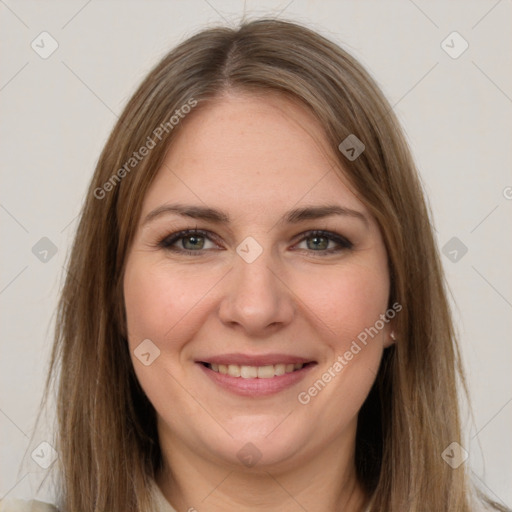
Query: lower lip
<point>256,387</point>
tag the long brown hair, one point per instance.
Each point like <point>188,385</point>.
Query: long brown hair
<point>107,439</point>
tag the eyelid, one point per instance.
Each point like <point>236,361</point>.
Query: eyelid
<point>341,240</point>
<point>169,240</point>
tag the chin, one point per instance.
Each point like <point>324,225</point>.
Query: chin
<point>264,445</point>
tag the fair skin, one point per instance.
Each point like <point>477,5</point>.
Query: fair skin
<point>254,159</point>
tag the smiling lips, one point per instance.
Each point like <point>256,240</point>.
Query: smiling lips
<point>256,375</point>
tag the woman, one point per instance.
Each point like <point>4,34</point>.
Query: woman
<point>254,316</point>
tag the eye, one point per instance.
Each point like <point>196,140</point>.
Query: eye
<point>197,241</point>
<point>324,242</point>
<point>188,241</point>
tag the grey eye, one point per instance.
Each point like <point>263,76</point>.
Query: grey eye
<point>192,242</point>
<point>316,243</point>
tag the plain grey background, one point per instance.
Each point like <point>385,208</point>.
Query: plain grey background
<point>456,111</point>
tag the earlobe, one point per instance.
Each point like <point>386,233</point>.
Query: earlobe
<point>391,340</point>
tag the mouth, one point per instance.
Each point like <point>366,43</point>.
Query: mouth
<point>265,376</point>
<point>256,372</point>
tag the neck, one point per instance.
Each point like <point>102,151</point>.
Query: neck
<point>326,482</point>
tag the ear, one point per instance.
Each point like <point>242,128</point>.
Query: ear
<point>389,338</point>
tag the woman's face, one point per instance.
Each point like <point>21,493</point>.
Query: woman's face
<point>280,279</point>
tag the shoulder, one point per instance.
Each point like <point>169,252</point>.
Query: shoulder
<point>14,505</point>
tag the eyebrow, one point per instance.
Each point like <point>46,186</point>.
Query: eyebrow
<point>217,216</point>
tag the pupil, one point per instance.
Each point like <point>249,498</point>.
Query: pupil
<point>318,242</point>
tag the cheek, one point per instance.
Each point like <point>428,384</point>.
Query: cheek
<point>346,307</point>
<point>345,301</point>
<point>165,306</point>
<point>158,298</point>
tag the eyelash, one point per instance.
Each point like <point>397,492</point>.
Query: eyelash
<point>169,240</point>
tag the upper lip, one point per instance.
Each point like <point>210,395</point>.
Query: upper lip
<point>255,360</point>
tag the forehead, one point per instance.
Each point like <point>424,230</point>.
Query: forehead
<point>251,153</point>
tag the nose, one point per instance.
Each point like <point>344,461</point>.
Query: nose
<point>255,299</point>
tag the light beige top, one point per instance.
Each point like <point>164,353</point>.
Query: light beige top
<point>15,505</point>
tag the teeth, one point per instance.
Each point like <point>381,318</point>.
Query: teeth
<point>265,372</point>
<point>279,369</point>
<point>248,372</point>
<point>234,370</point>
<point>253,372</point>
